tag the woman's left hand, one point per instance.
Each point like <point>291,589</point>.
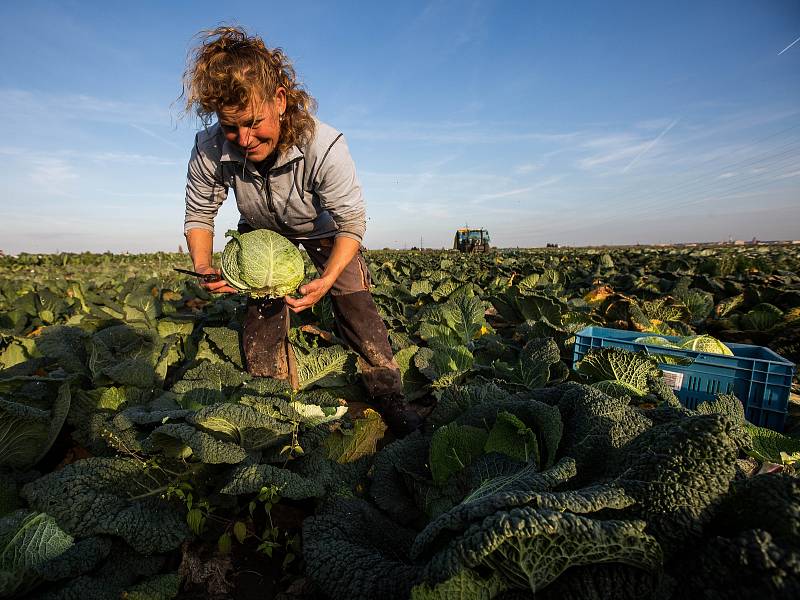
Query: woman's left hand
<point>312,292</point>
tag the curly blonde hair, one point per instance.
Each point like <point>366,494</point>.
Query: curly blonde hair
<point>230,69</point>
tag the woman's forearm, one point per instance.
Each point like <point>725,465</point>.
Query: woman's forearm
<point>201,247</point>
<point>344,249</point>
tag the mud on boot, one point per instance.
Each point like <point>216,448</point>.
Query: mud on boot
<point>399,416</point>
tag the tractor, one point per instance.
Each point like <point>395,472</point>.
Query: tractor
<point>471,240</point>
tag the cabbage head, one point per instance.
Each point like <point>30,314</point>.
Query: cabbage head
<point>704,343</point>
<point>654,340</point>
<point>262,263</point>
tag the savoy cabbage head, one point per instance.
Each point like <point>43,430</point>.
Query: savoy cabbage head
<point>615,500</point>
<point>262,263</point>
<point>704,343</point>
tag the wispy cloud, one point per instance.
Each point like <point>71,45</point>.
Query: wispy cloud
<point>650,124</point>
<point>505,194</point>
<point>527,168</point>
<point>52,172</point>
<point>149,195</point>
<point>789,46</point>
<point>515,192</point>
<point>650,145</point>
<point>455,133</point>
<point>51,176</point>
<point>611,149</point>
<point>154,135</point>
<point>62,156</point>
<point>788,175</point>
<point>37,106</point>
<point>132,159</point>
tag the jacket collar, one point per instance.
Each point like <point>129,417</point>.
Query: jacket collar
<point>232,153</point>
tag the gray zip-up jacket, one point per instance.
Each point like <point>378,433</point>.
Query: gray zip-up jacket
<point>310,192</point>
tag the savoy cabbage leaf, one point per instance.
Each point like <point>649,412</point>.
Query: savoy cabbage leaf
<point>595,424</point>
<point>543,420</point>
<point>511,436</point>
<point>226,341</point>
<point>532,369</point>
<point>495,473</point>
<point>456,400</point>
<point>444,366</point>
<point>677,472</point>
<point>110,496</point>
<point>319,364</point>
<point>531,547</point>
<point>143,303</point>
<point>26,431</point>
<point>616,364</point>
<point>731,407</point>
<point>240,424</point>
<point>28,540</point>
<point>445,289</point>
<point>584,501</point>
<point>249,479</point>
<point>465,585</point>
<point>81,557</point>
<point>453,447</point>
<point>389,487</point>
<point>66,346</point>
<point>348,445</point>
<point>182,441</point>
<point>353,532</point>
<point>122,570</point>
<point>439,335</point>
<point>465,315</point>
<point>749,564</point>
<point>125,355</point>
<point>208,383</point>
<point>314,414</point>
<point>777,496</point>
<point>415,383</point>
<point>770,446</point>
<point>158,587</point>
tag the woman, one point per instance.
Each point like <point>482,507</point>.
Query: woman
<point>294,175</point>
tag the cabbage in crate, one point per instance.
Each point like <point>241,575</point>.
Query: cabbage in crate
<point>704,343</point>
<point>698,343</point>
<point>262,263</point>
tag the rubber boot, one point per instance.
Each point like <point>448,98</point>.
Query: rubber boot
<point>361,326</point>
<point>264,338</point>
<point>398,415</point>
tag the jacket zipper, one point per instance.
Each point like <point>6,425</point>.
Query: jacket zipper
<point>268,189</point>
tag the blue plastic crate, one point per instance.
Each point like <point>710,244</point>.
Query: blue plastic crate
<point>759,377</point>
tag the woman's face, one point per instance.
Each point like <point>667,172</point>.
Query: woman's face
<point>256,131</point>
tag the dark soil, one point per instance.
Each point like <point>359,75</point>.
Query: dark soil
<point>243,574</point>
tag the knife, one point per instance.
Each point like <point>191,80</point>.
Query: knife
<point>206,277</point>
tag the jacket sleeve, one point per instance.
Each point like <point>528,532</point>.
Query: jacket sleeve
<point>205,191</point>
<point>339,191</point>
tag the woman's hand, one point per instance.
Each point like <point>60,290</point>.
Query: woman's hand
<point>215,287</point>
<point>312,292</point>
<point>344,249</point>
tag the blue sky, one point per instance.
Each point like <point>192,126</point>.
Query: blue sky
<point>573,122</point>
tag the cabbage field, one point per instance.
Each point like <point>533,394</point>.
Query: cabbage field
<point>139,460</point>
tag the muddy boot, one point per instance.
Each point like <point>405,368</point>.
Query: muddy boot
<point>361,326</point>
<point>264,338</point>
<point>398,415</point>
